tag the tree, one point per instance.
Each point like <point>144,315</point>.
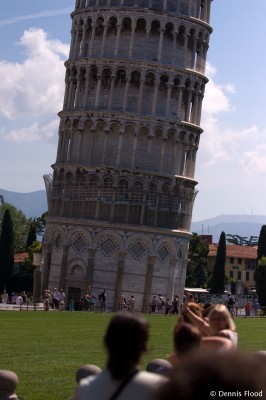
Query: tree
<point>218,275</point>
<point>261,252</point>
<point>197,265</point>
<point>242,241</point>
<point>261,281</point>
<point>6,251</point>
<point>20,226</point>
<point>32,237</point>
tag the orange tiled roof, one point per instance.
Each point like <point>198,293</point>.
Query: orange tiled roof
<point>235,250</point>
<point>20,257</point>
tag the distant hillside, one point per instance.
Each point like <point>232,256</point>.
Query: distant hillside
<point>242,225</point>
<point>32,204</point>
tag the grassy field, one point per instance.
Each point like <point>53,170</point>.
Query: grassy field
<point>45,349</point>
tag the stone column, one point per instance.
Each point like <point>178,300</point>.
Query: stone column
<point>47,250</point>
<point>121,135</point>
<point>188,106</point>
<point>140,96</point>
<point>119,27</point>
<point>160,46</point>
<point>72,43</point>
<point>76,96</point>
<point>155,95</point>
<point>168,98</point>
<point>148,283</point>
<point>67,82</point>
<point>180,277</point>
<point>90,268</point>
<point>104,39</point>
<point>76,44</point>
<point>119,278</point>
<point>70,93</point>
<point>37,278</point>
<point>111,94</point>
<point>193,117</point>
<point>82,45</point>
<point>86,92</point>
<point>98,91</point>
<point>126,94</point>
<point>185,51</point>
<point>133,27</point>
<point>171,277</point>
<point>92,39</point>
<point>63,266</point>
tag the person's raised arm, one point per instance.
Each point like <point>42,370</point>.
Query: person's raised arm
<point>196,320</point>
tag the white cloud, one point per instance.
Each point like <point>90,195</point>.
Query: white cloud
<point>222,143</point>
<point>36,86</point>
<point>254,161</point>
<point>33,133</point>
<point>216,99</point>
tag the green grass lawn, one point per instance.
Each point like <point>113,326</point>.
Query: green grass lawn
<point>46,348</point>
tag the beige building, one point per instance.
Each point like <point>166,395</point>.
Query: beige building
<point>240,265</point>
<point>121,194</point>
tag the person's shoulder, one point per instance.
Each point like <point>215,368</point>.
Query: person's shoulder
<point>94,379</point>
<point>149,377</point>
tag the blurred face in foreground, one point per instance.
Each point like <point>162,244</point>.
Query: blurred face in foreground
<point>218,321</point>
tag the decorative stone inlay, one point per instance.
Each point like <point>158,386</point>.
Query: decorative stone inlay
<point>57,242</point>
<point>108,246</point>
<point>79,244</point>
<point>163,253</point>
<point>137,250</point>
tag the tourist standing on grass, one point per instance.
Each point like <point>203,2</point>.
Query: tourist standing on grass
<point>122,303</point>
<point>126,341</point>
<point>131,304</point>
<point>256,308</point>
<point>93,301</point>
<point>103,299</point>
<point>175,304</point>
<point>167,307</point>
<point>19,300</point>
<point>4,297</point>
<point>72,305</point>
<point>46,300</point>
<point>61,296</point>
<point>248,308</point>
<point>161,303</point>
<point>154,304</point>
<point>55,302</point>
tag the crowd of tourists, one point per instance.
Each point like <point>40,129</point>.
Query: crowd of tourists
<point>17,298</point>
<point>205,360</point>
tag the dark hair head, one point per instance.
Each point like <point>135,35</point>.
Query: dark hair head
<point>187,338</point>
<point>126,340</point>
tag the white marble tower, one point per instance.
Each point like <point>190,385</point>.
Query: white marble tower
<point>121,194</point>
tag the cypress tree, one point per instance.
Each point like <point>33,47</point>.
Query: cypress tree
<point>218,275</point>
<point>6,251</point>
<point>32,237</point>
<point>261,281</point>
<point>260,273</point>
<point>262,243</point>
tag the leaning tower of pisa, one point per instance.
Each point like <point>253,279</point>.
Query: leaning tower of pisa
<point>121,193</point>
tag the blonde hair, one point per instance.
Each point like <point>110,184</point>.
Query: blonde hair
<point>196,308</point>
<point>222,310</point>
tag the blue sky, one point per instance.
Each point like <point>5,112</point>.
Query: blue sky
<point>231,162</point>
